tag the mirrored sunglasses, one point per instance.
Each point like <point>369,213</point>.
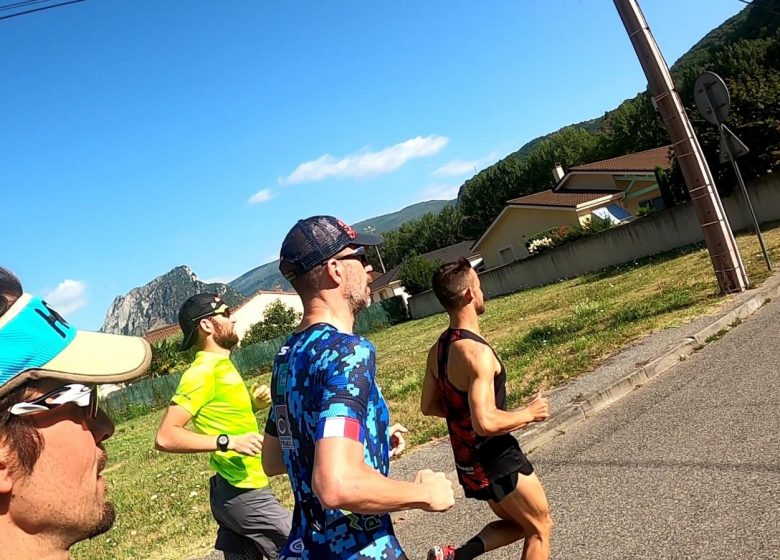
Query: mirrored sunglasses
<point>223,310</point>
<point>84,396</point>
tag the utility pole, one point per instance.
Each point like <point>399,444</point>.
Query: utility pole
<point>371,229</point>
<point>724,253</point>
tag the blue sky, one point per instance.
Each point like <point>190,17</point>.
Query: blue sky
<point>138,135</point>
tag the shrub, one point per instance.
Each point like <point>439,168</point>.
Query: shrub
<point>416,274</point>
<point>279,320</point>
<point>645,211</point>
<point>166,358</point>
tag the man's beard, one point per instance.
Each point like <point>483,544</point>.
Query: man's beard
<point>358,299</point>
<point>106,521</point>
<point>225,339</point>
<point>479,307</point>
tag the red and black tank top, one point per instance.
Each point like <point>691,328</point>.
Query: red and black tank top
<point>479,459</point>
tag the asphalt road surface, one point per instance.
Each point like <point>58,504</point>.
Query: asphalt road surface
<point>688,466</point>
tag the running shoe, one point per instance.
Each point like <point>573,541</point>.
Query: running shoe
<point>446,552</point>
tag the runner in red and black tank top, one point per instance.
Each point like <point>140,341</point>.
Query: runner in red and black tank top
<point>480,460</point>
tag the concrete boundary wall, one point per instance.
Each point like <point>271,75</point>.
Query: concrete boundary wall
<point>643,237</point>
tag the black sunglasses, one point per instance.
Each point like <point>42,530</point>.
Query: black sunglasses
<point>358,254</point>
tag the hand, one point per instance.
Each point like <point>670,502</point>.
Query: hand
<point>261,396</point>
<point>397,441</point>
<point>539,408</point>
<point>441,496</point>
<point>247,444</point>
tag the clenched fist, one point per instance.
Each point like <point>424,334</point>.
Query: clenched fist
<point>441,496</point>
<point>247,444</point>
<point>261,396</point>
<point>539,408</point>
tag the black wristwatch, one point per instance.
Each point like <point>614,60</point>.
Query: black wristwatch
<point>222,442</point>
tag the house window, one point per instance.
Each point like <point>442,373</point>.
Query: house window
<point>506,255</point>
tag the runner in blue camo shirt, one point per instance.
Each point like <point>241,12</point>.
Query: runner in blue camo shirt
<point>329,428</point>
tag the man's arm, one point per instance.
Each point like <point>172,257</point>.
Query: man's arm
<point>342,480</point>
<point>489,420</point>
<point>273,459</point>
<point>173,437</point>
<point>430,400</point>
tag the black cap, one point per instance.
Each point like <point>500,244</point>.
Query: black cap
<point>314,240</point>
<point>192,311</point>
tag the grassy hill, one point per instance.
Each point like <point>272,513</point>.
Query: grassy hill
<point>394,220</point>
<point>267,276</point>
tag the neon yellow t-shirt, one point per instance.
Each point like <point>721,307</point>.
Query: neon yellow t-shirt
<point>214,393</point>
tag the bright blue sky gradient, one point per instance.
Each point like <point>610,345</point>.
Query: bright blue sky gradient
<point>134,132</point>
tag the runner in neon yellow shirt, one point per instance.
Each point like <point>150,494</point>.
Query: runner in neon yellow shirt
<point>213,396</point>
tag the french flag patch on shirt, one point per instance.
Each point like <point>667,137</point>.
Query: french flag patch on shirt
<point>340,427</point>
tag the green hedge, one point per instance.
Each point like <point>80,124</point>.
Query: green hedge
<point>256,357</point>
<point>141,397</point>
<point>381,314</point>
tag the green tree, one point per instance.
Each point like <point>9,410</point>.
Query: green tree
<point>416,274</point>
<point>167,359</point>
<point>278,320</point>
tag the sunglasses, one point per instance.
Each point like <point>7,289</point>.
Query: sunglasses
<point>224,311</point>
<point>358,254</point>
<point>84,396</point>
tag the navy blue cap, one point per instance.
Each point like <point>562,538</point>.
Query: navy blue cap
<point>314,240</point>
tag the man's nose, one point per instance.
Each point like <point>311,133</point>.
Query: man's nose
<point>102,427</point>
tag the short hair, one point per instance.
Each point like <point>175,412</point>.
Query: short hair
<point>10,289</point>
<point>308,282</point>
<point>17,432</point>
<point>450,281</point>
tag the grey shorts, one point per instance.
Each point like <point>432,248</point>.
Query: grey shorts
<point>251,522</point>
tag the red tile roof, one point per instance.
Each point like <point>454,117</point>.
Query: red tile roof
<point>561,198</point>
<point>640,161</point>
<point>156,335</point>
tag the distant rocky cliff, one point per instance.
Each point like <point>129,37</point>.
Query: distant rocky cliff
<point>157,303</point>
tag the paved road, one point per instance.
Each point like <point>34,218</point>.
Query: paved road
<point>686,467</point>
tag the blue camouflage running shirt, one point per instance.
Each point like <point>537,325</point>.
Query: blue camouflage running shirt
<point>323,386</point>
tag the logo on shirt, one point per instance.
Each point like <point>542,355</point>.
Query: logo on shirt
<point>283,426</point>
<point>296,546</point>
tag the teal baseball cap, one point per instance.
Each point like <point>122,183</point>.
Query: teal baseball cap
<point>36,342</point>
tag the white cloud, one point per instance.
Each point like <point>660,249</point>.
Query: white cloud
<point>458,167</point>
<point>260,196</point>
<point>68,297</point>
<point>367,163</point>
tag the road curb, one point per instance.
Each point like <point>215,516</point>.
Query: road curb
<point>586,406</point>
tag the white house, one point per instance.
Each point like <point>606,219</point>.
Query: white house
<point>253,309</point>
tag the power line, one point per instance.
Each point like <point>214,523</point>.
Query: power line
<point>23,4</point>
<point>20,4</point>
<point>30,2</point>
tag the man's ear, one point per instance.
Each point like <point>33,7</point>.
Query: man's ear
<point>468,295</point>
<point>6,474</point>
<point>207,326</point>
<point>333,272</point>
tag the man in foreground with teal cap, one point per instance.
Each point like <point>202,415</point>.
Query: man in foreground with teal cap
<point>52,494</point>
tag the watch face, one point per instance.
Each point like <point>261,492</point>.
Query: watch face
<point>222,440</point>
